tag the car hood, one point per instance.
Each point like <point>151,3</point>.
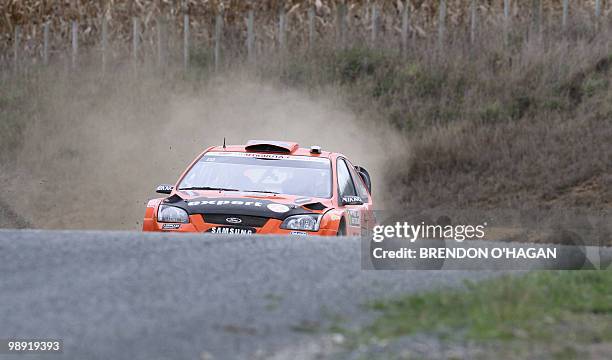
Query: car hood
<point>246,203</point>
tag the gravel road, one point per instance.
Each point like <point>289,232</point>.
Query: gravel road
<point>130,295</point>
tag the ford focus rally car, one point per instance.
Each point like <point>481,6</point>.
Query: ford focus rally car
<point>265,187</point>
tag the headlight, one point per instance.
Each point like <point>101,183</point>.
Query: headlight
<point>309,222</point>
<point>173,214</point>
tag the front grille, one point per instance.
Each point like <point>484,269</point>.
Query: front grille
<point>246,220</point>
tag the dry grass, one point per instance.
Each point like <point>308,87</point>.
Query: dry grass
<point>30,15</point>
<point>532,132</point>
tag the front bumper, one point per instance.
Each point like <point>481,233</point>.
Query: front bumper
<point>198,225</point>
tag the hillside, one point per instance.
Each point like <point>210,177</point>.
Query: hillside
<point>514,120</point>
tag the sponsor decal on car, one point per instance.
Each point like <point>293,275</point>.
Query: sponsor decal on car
<point>354,217</point>
<point>164,188</point>
<point>266,156</point>
<point>351,199</point>
<point>225,202</point>
<point>278,208</point>
<point>237,207</point>
<point>300,233</point>
<point>231,230</point>
<point>171,226</point>
<point>233,220</point>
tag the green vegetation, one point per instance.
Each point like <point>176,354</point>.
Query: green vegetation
<point>535,306</point>
<point>563,308</point>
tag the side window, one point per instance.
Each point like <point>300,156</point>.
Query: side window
<point>362,191</point>
<point>345,183</point>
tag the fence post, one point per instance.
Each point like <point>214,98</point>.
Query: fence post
<point>46,43</point>
<point>441,23</point>
<point>536,15</point>
<point>506,13</point>
<point>311,27</point>
<point>104,42</point>
<point>251,35</point>
<point>565,13</point>
<point>597,15</point>
<point>473,20</point>
<point>160,41</point>
<point>341,25</point>
<point>405,26</point>
<point>506,9</point>
<point>374,24</point>
<point>16,48</point>
<point>218,36</point>
<point>75,43</point>
<point>506,20</point>
<point>282,28</point>
<point>135,38</point>
<point>186,41</point>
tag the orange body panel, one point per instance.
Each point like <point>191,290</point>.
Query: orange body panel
<point>355,218</point>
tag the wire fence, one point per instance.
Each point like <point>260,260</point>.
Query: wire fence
<point>186,34</point>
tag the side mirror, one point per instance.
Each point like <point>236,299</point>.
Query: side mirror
<point>351,200</point>
<point>164,189</point>
<point>365,176</point>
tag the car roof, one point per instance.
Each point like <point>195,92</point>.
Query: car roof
<point>274,147</point>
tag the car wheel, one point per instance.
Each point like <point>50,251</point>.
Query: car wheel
<point>341,229</point>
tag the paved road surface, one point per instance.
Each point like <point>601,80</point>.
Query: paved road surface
<point>129,295</point>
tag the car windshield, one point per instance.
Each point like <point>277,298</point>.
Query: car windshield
<point>266,173</point>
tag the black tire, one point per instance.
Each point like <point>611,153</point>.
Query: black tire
<point>341,228</point>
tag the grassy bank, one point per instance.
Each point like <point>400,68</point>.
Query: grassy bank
<point>491,127</point>
<point>543,314</point>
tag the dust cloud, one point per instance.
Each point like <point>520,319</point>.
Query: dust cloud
<point>95,150</point>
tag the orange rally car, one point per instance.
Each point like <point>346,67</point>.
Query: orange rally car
<point>266,187</point>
